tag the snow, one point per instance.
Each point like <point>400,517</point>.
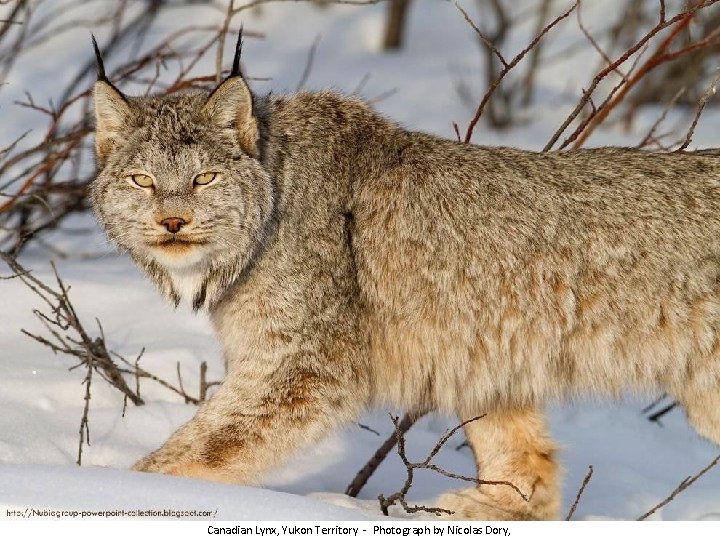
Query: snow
<point>636,463</point>
<point>56,487</point>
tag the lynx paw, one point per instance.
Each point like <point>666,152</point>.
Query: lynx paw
<point>473,504</point>
<point>145,464</point>
<point>189,469</point>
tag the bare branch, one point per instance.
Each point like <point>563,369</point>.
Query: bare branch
<point>516,60</point>
<point>488,43</point>
<point>397,11</point>
<point>221,41</point>
<point>580,492</point>
<point>681,19</point>
<point>701,105</point>
<point>68,336</point>
<point>659,57</point>
<point>534,60</point>
<point>380,454</point>
<point>84,425</point>
<point>662,412</point>
<point>399,496</point>
<point>689,481</point>
<point>256,3</point>
<point>593,42</point>
<point>308,64</point>
<point>371,430</point>
<point>650,137</point>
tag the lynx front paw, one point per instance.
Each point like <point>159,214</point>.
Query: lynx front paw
<point>146,464</point>
<point>475,504</point>
<point>188,469</point>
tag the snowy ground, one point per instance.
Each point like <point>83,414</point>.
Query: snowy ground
<point>637,463</point>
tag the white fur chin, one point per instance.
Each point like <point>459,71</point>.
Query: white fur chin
<point>186,281</point>
<point>183,262</point>
<point>186,271</point>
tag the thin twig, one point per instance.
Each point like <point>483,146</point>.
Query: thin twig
<point>221,41</point>
<point>506,69</point>
<point>380,454</point>
<point>662,412</point>
<point>594,43</point>
<point>84,424</point>
<point>659,57</point>
<point>256,3</point>
<point>180,383</point>
<point>488,43</point>
<point>140,373</point>
<point>308,64</point>
<point>701,105</point>
<point>689,481</point>
<point>368,428</point>
<point>203,381</point>
<point>654,404</point>
<point>534,60</point>
<point>399,496</point>
<point>68,336</point>
<point>600,76</point>
<point>580,492</point>
<point>651,138</point>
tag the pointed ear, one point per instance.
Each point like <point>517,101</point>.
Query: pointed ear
<point>112,118</point>
<point>230,107</point>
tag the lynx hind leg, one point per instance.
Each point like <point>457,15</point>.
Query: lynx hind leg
<point>702,405</point>
<point>510,446</point>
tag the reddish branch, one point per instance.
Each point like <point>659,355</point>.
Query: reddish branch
<point>682,18</point>
<point>508,66</point>
<point>45,182</point>
<point>660,56</point>
<point>44,168</point>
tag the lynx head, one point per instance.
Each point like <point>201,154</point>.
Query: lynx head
<point>180,185</point>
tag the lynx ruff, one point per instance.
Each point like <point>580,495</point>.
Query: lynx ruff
<point>346,263</point>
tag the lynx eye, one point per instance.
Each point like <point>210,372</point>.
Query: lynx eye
<point>205,178</point>
<point>141,180</point>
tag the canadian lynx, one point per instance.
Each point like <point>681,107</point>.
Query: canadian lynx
<point>346,262</point>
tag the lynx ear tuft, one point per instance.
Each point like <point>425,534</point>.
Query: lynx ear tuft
<point>112,111</point>
<point>98,58</point>
<point>235,72</point>
<point>230,107</point>
<point>112,118</point>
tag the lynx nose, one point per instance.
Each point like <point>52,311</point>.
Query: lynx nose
<point>173,224</point>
